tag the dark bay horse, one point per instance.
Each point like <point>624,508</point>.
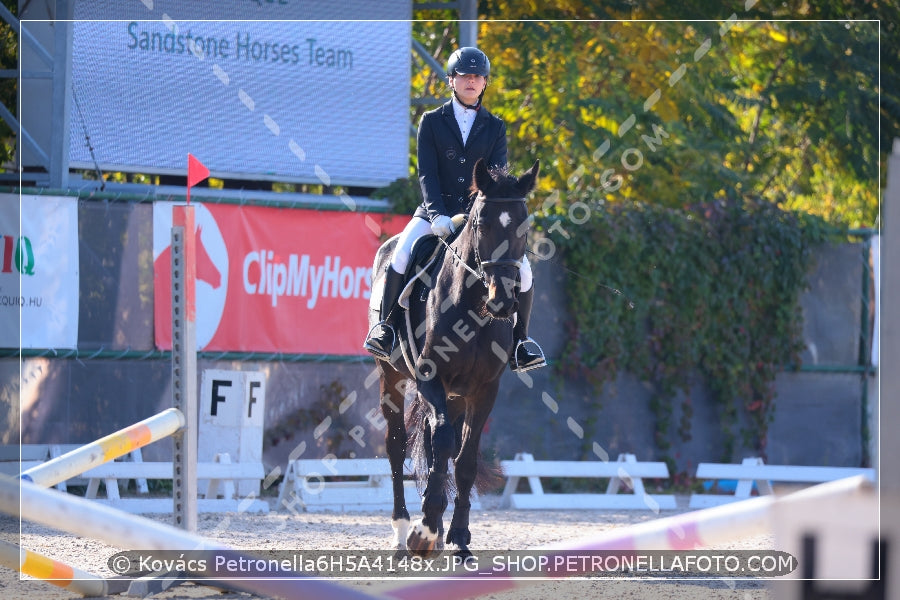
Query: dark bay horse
<point>462,338</point>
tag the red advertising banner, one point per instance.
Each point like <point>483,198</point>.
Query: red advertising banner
<point>274,279</point>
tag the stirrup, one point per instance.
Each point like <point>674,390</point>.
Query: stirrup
<point>515,362</point>
<point>375,351</point>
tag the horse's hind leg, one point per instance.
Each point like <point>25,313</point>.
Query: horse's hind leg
<point>395,441</point>
<point>465,470</point>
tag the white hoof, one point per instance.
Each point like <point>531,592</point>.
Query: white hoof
<point>401,528</point>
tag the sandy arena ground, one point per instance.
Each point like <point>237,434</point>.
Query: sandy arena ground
<point>492,529</point>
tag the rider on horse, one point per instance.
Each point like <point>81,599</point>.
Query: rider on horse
<point>450,140</point>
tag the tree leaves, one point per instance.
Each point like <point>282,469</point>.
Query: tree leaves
<point>739,102</point>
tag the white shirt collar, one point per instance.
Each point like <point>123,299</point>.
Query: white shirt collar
<point>464,117</point>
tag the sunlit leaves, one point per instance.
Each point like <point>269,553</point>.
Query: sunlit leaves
<point>748,107</point>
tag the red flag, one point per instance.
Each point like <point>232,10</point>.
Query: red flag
<point>197,172</point>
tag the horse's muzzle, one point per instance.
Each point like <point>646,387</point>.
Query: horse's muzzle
<point>501,303</point>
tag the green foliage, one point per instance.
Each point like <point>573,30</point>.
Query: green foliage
<point>785,111</point>
<point>405,194</point>
<point>9,49</point>
<point>710,155</point>
<point>711,288</point>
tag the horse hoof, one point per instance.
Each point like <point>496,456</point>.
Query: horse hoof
<point>400,527</point>
<point>421,540</point>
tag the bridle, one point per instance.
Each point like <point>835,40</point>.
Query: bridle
<point>480,264</point>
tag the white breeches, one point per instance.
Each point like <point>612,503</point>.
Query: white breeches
<point>418,227</point>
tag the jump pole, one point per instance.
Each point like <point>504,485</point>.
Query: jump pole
<point>76,462</point>
<point>79,516</point>
<point>184,365</point>
<point>52,571</point>
<point>688,531</point>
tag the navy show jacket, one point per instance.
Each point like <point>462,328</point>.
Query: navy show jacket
<point>446,164</point>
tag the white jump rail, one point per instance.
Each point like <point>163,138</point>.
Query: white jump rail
<point>15,458</point>
<point>706,528</point>
<point>131,467</point>
<point>755,470</point>
<point>56,572</point>
<point>105,449</point>
<point>96,462</point>
<point>314,485</point>
<point>625,473</point>
<point>222,474</point>
<point>26,455</point>
<point>89,519</point>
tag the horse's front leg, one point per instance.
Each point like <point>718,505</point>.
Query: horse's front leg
<point>392,398</point>
<point>424,535</point>
<point>466,467</point>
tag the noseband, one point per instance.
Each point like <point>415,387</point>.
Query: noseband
<point>480,264</point>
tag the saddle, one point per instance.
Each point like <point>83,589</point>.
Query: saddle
<point>426,258</point>
<point>424,262</point>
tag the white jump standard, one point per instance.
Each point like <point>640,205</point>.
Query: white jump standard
<point>626,473</point>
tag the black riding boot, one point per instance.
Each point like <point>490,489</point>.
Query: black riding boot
<point>382,337</point>
<point>522,359</point>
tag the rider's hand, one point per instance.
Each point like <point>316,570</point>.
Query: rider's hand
<point>442,226</point>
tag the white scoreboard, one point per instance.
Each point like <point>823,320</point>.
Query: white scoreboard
<point>304,95</point>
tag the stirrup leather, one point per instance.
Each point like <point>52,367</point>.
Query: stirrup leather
<point>515,354</point>
<point>368,346</point>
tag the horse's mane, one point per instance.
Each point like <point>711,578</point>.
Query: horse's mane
<point>498,182</point>
<point>502,186</point>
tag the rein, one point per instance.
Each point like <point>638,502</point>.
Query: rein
<point>480,265</point>
<point>459,258</point>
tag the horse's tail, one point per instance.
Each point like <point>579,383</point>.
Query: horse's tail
<point>415,427</point>
<point>488,476</point>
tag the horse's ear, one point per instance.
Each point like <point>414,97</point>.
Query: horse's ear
<point>528,179</point>
<point>481,176</point>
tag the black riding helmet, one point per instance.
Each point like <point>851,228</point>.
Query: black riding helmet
<point>468,61</point>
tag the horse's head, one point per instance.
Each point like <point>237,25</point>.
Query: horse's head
<point>500,222</point>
